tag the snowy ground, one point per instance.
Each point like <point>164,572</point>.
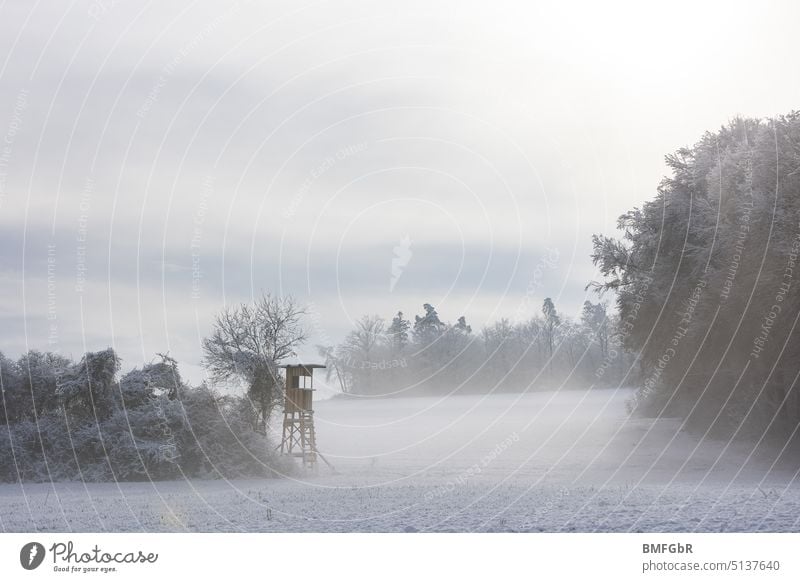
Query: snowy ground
<point>553,461</point>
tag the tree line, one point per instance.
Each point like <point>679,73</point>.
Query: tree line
<point>429,356</point>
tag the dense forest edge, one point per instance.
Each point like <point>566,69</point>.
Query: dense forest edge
<point>703,278</point>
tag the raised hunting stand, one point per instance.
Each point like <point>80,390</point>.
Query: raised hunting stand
<point>299,438</point>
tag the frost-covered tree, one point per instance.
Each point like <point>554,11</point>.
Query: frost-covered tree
<point>366,337</point>
<point>336,365</point>
<point>249,341</point>
<point>698,271</point>
<point>12,408</point>
<point>155,379</point>
<point>362,351</point>
<point>572,341</point>
<point>499,346</point>
<point>85,389</point>
<point>551,323</point>
<point>397,333</point>
<point>594,317</point>
<point>462,327</point>
<point>29,384</point>
<point>427,327</point>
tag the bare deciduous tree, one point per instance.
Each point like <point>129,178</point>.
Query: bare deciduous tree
<point>249,341</point>
<point>336,363</point>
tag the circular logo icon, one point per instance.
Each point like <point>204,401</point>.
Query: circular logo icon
<point>31,555</point>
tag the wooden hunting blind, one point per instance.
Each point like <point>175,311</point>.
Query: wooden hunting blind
<point>299,438</point>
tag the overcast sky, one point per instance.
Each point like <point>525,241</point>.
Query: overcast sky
<point>161,159</point>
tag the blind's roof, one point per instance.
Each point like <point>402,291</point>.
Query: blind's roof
<point>288,366</point>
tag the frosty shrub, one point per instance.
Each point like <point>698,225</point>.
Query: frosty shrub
<point>84,389</point>
<point>219,440</point>
<point>74,421</point>
<point>29,385</point>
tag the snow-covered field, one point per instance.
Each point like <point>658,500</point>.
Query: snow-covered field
<point>547,461</point>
